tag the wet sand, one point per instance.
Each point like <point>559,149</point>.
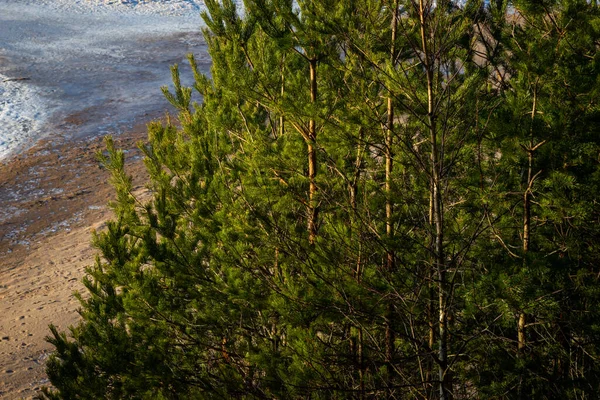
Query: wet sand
<point>52,198</point>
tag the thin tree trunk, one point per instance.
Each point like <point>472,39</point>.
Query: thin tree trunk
<point>389,156</point>
<point>441,271</point>
<point>312,158</point>
<point>521,332</point>
<point>521,335</point>
<point>361,364</point>
<point>389,207</point>
<point>522,321</point>
<point>282,118</point>
<point>445,389</point>
<point>353,189</point>
<point>430,306</point>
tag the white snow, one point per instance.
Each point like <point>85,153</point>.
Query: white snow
<point>21,115</point>
<point>105,59</point>
<point>156,7</point>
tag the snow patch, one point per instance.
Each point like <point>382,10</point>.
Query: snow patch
<point>22,114</point>
<point>160,7</point>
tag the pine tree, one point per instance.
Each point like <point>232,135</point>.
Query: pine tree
<point>374,199</point>
<point>532,273</point>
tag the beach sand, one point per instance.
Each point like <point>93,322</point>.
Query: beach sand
<point>52,197</point>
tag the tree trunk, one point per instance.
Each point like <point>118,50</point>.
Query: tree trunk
<point>389,207</point>
<point>282,118</point>
<point>521,323</point>
<point>312,158</point>
<point>353,192</point>
<point>445,389</point>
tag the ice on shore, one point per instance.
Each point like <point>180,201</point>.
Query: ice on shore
<point>97,58</point>
<point>22,115</point>
<point>161,7</point>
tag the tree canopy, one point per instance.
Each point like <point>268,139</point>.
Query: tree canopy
<point>364,199</point>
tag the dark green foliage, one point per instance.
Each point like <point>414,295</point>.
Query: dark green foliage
<point>260,268</point>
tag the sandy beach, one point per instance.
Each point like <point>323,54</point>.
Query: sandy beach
<point>52,197</point>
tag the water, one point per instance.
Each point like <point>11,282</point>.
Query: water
<point>89,67</point>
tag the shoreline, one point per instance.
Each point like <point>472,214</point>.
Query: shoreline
<point>87,73</point>
<point>53,196</point>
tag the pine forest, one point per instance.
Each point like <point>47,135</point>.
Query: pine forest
<point>364,199</point>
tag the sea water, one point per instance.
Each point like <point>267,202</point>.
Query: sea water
<point>89,67</point>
